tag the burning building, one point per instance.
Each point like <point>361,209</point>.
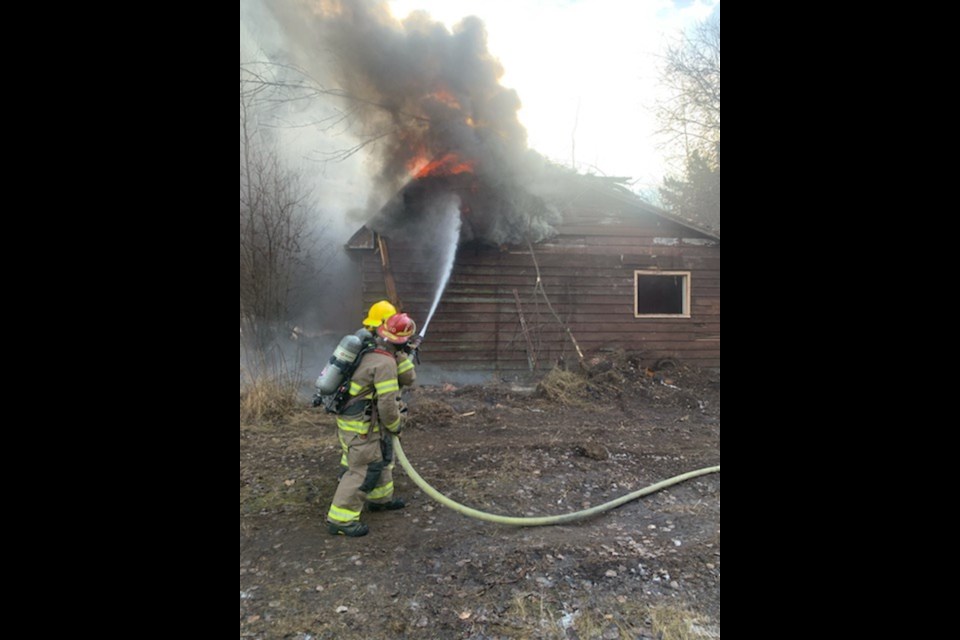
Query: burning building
<point>509,262</point>
<point>612,273</point>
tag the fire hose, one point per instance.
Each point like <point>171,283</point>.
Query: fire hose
<point>542,520</point>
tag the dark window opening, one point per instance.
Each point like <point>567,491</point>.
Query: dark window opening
<point>662,294</point>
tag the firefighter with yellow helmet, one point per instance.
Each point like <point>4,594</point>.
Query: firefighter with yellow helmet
<point>379,312</point>
<point>377,315</point>
<point>371,415</point>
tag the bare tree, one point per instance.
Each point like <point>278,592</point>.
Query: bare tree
<point>275,236</point>
<point>690,117</point>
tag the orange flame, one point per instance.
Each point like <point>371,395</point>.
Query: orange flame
<point>446,98</point>
<point>448,165</point>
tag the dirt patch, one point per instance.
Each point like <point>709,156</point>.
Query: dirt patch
<point>646,569</point>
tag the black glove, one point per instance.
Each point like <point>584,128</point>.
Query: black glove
<point>386,449</point>
<point>412,347</point>
<point>317,400</point>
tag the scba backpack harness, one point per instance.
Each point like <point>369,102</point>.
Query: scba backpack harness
<point>333,385</point>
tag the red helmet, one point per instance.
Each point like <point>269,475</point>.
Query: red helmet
<point>397,328</point>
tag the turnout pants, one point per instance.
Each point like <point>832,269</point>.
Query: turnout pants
<point>368,477</point>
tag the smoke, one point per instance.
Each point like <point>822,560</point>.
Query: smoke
<point>386,122</point>
<point>280,67</point>
<point>416,100</point>
<point>435,91</point>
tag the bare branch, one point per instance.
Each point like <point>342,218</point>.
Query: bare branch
<point>690,117</point>
<point>309,88</point>
<point>539,287</point>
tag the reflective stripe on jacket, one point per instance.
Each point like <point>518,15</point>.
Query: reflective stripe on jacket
<point>375,379</point>
<point>406,372</point>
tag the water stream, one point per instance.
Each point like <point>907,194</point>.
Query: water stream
<point>448,238</point>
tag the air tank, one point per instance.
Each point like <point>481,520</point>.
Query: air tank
<point>343,356</point>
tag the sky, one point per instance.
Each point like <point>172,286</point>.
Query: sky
<point>586,72</point>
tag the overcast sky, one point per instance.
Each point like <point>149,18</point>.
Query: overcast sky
<point>585,70</point>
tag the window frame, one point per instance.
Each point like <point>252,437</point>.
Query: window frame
<point>687,286</point>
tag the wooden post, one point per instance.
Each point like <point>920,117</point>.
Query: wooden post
<point>388,280</point>
<point>531,359</point>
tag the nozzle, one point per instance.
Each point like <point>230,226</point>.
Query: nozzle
<point>413,347</point>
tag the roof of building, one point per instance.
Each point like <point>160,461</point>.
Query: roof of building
<point>572,186</point>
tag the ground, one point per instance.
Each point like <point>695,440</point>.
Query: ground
<point>647,569</point>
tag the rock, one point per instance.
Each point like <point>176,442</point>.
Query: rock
<point>593,451</point>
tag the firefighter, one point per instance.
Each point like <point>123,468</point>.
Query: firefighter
<point>344,356</point>
<point>378,314</point>
<point>406,373</point>
<point>372,414</point>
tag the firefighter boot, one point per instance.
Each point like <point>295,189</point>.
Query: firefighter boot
<point>393,505</point>
<point>354,529</point>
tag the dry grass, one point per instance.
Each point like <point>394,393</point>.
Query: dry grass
<point>269,387</point>
<point>566,388</point>
<point>543,618</point>
<point>673,623</point>
<point>634,620</point>
<point>266,401</point>
<point>430,413</point>
<point>598,379</point>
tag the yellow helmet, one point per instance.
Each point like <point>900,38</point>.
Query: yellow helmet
<point>379,312</point>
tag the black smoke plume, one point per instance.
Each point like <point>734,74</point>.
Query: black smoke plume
<point>427,103</point>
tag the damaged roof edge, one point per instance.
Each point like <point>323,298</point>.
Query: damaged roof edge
<point>622,194</point>
<point>362,239</point>
<point>365,237</point>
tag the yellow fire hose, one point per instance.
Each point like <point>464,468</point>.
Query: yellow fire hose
<point>544,520</point>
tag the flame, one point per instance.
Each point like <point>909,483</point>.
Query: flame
<point>449,165</point>
<point>445,97</point>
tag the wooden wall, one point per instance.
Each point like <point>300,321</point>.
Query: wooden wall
<point>491,317</point>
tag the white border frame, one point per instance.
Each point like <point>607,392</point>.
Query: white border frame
<point>687,282</point>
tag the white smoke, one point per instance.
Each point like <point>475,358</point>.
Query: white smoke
<point>308,131</point>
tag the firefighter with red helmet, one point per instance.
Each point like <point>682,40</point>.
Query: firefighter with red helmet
<point>372,414</point>
<point>350,346</point>
<point>379,311</point>
<point>378,314</point>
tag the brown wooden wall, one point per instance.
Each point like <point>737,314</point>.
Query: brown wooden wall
<point>588,276</point>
